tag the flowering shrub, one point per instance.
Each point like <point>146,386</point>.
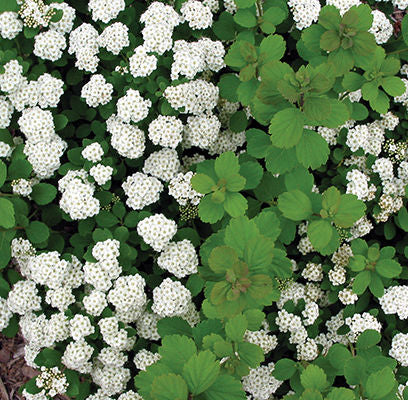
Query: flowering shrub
<point>204,199</point>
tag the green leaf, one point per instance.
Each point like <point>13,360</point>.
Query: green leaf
<point>238,232</point>
<point>228,86</point>
<point>380,383</point>
<point>257,143</point>
<point>244,3</point>
<point>393,85</point>
<point>312,150</point>
<point>295,205</point>
<point>258,254</point>
<point>367,339</point>
<point>388,268</point>
<point>226,164</point>
<point>286,128</point>
<point>9,5</point>
<point>349,211</point>
<point>268,224</point>
<point>209,211</point>
<point>252,172</point>
<point>254,318</point>
<point>284,369</point>
<point>74,384</point>
<point>272,48</point>
<point>245,18</point>
<point>43,193</point>
<point>169,387</point>
<point>361,281</point>
<point>329,17</point>
<point>235,328</point>
<point>313,377</point>
<point>337,393</point>
<point>60,122</point>
<point>330,40</point>
<point>320,233</point>
<point>6,214</point>
<point>106,219</point>
<point>202,183</point>
<point>279,161</point>
<point>353,81</point>
<point>225,387</point>
<point>235,182</point>
<point>173,326</point>
<point>235,204</point>
<point>48,358</point>
<point>316,108</point>
<point>238,121</point>
<point>37,232</point>
<point>175,351</point>
<point>354,370</point>
<point>201,371</point>
<point>19,169</point>
<point>338,355</point>
<point>224,28</point>
<point>3,173</point>
<point>251,353</point>
<point>403,218</point>
<point>222,258</point>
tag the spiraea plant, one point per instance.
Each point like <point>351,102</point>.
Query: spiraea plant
<point>205,199</point>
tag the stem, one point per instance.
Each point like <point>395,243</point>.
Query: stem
<point>6,195</point>
<point>259,8</point>
<point>397,51</point>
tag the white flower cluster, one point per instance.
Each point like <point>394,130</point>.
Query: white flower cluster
<point>163,164</point>
<point>115,336</point>
<point>171,299</point>
<point>10,25</point>
<point>180,188</point>
<point>157,231</point>
<point>114,38</point>
<point>144,358</point>
<point>141,190</point>
<point>399,348</point>
<point>313,272</point>
<point>93,152</point>
<point>201,131</point>
<point>132,107</point>
<point>192,58</point>
<point>195,97</point>
<point>107,268</point>
<point>52,380</point>
<point>166,131</point>
<point>369,137</point>
<point>77,195</point>
<point>262,338</point>
<point>395,301</point>
<point>359,323</point>
<point>197,14</point>
<point>260,382</point>
<point>49,45</point>
<point>5,314</point>
<point>43,147</point>
<point>97,91</point>
<point>128,140</point>
<point>142,64</point>
<point>381,28</point>
<point>179,258</point>
<point>83,42</point>
<point>105,10</point>
<point>101,173</point>
<point>358,185</point>
<point>305,12</point>
<point>128,297</point>
<point>343,5</point>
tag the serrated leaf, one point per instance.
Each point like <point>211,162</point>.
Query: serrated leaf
<point>226,164</point>
<point>7,219</point>
<point>245,18</point>
<point>169,387</point>
<point>286,128</point>
<point>388,268</point>
<point>251,354</point>
<point>279,161</point>
<point>380,383</point>
<point>361,282</point>
<point>393,85</point>
<point>320,233</point>
<point>257,142</point>
<point>349,211</point>
<point>202,183</point>
<point>235,204</point>
<point>313,377</point>
<point>209,211</point>
<point>284,369</point>
<point>225,387</point>
<point>222,258</point>
<point>367,339</point>
<point>312,151</point>
<point>173,326</point>
<point>175,351</point>
<point>272,48</point>
<point>236,327</point>
<point>201,371</point>
<point>295,205</point>
<point>238,232</point>
<point>252,172</point>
